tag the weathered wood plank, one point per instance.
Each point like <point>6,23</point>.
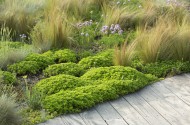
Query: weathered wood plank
<point>131,116</point>
<point>72,119</point>
<point>171,107</point>
<point>178,89</point>
<point>92,117</point>
<point>146,110</point>
<point>116,122</point>
<point>156,100</point>
<point>107,111</point>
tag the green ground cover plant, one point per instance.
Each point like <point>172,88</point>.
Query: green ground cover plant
<point>64,68</point>
<point>7,78</point>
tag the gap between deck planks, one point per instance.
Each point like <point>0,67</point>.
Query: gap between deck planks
<point>163,103</point>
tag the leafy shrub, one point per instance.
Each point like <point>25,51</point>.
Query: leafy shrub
<point>116,73</point>
<point>7,78</point>
<point>8,113</point>
<point>48,54</point>
<point>25,67</point>
<point>105,83</point>
<point>66,55</point>
<point>102,59</point>
<point>43,61</point>
<point>85,97</point>
<point>64,68</point>
<point>54,84</point>
<point>165,68</point>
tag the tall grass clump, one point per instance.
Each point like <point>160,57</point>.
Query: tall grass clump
<point>125,54</point>
<point>167,40</point>
<point>20,15</point>
<point>10,54</point>
<point>53,32</point>
<point>8,113</point>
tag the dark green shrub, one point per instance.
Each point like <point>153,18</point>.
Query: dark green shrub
<point>102,59</point>
<point>25,67</point>
<point>64,68</point>
<point>165,68</point>
<point>117,73</point>
<point>66,55</point>
<point>54,84</point>
<point>7,78</point>
<point>8,113</point>
<point>43,61</point>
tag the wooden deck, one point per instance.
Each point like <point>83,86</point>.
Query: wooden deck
<point>163,103</point>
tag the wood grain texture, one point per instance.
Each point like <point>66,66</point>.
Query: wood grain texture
<point>73,119</point>
<point>131,116</point>
<point>107,112</point>
<point>92,117</point>
<point>146,110</point>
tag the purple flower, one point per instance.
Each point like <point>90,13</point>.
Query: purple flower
<point>120,32</point>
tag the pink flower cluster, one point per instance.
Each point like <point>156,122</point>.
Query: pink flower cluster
<point>114,28</point>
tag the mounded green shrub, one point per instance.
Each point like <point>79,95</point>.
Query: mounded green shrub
<point>24,67</point>
<point>43,61</point>
<point>66,55</point>
<point>116,73</point>
<point>64,68</point>
<point>105,83</point>
<point>102,59</point>
<point>87,96</point>
<point>165,68</point>
<point>48,54</point>
<point>7,78</point>
<point>54,84</point>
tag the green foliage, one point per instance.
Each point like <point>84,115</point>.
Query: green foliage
<point>15,45</point>
<point>165,68</point>
<point>54,84</point>
<point>7,78</point>
<point>83,54</point>
<point>12,52</point>
<point>32,117</point>
<point>102,59</point>
<point>8,113</point>
<point>85,97</point>
<point>64,68</point>
<point>33,98</point>
<point>66,55</point>
<point>67,94</point>
<point>116,73</point>
<point>111,40</point>
<point>43,61</point>
<point>25,67</point>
